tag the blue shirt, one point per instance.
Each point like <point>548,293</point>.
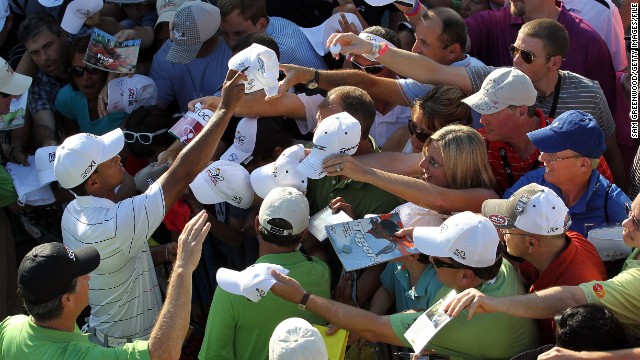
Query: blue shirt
<point>590,207</point>
<point>185,82</point>
<point>395,280</point>
<point>294,46</point>
<point>72,104</point>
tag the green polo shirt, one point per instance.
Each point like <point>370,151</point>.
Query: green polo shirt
<point>8,193</point>
<point>21,339</point>
<point>485,336</point>
<point>620,294</point>
<point>240,329</point>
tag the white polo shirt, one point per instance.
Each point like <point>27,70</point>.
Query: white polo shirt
<point>123,291</point>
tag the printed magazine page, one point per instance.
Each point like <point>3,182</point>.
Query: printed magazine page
<point>370,241</point>
<point>428,324</point>
<point>15,117</point>
<point>105,53</point>
<point>191,123</point>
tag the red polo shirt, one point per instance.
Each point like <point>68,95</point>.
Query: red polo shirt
<point>577,264</point>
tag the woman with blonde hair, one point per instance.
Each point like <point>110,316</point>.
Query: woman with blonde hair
<point>456,173</point>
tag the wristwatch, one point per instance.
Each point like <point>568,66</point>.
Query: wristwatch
<point>314,83</point>
<point>302,305</point>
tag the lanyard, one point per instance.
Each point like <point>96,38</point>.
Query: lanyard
<point>556,95</point>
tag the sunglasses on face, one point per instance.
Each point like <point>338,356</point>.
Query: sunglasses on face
<point>420,134</point>
<point>441,264</point>
<point>144,138</point>
<point>526,55</point>
<point>78,71</point>
<point>4,95</point>
<point>635,221</point>
<point>369,69</point>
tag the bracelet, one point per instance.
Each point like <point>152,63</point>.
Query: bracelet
<point>383,50</point>
<point>415,10</point>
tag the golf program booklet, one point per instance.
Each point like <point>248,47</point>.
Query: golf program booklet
<point>428,324</point>
<point>106,53</point>
<point>369,241</point>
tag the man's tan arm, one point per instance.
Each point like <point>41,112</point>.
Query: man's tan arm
<point>614,160</point>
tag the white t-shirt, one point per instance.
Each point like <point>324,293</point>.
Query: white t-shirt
<point>123,291</point>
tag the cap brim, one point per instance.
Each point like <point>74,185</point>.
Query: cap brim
<point>182,54</point>
<point>228,280</point>
<point>427,241</point>
<point>166,16</point>
<point>113,144</point>
<point>50,3</point>
<point>203,192</point>
<point>87,260</point>
<point>17,85</point>
<point>46,177</point>
<point>482,104</point>
<point>235,155</point>
<point>311,167</point>
<point>262,181</point>
<point>498,212</point>
<point>547,141</point>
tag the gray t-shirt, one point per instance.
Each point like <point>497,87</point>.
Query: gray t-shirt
<point>576,93</point>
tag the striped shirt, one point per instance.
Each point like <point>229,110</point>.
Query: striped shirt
<point>123,291</point>
<point>576,93</point>
<point>294,46</point>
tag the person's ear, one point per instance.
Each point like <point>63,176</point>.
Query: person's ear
<point>276,152</point>
<point>257,225</point>
<point>453,52</point>
<point>262,24</point>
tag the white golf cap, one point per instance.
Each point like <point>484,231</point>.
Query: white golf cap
<point>262,71</point>
<point>534,208</point>
<point>296,339</point>
<point>11,82</point>
<point>284,211</point>
<point>467,238</point>
<point>319,35</point>
<point>79,156</point>
<point>50,3</point>
<point>194,23</point>
<point>223,181</point>
<point>282,172</point>
<point>77,12</point>
<point>129,93</point>
<point>244,141</point>
<point>503,87</point>
<point>45,157</point>
<point>253,282</point>
<point>337,134</point>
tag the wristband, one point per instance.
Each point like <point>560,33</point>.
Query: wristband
<point>415,10</point>
<point>383,50</point>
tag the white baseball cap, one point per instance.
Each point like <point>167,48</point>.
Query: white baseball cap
<point>50,3</point>
<point>77,12</point>
<point>284,211</point>
<point>468,238</point>
<point>223,181</point>
<point>129,93</point>
<point>253,282</point>
<point>262,71</point>
<point>79,156</point>
<point>5,11</point>
<point>503,87</point>
<point>337,134</point>
<point>244,141</point>
<point>296,339</point>
<point>375,39</point>
<point>194,23</point>
<point>45,157</point>
<point>282,172</point>
<point>534,208</point>
<point>11,82</point>
<point>319,35</point>
<point>166,9</point>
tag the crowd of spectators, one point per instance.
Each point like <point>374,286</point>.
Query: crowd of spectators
<point>175,209</point>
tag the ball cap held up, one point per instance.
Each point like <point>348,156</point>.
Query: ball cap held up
<point>503,87</point>
<point>48,269</point>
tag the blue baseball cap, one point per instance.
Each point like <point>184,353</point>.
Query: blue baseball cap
<point>574,130</point>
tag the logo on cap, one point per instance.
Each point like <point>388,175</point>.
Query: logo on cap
<point>88,170</point>
<point>460,254</point>
<point>319,147</point>
<point>240,138</point>
<point>215,176</point>
<point>167,3</point>
<point>83,12</point>
<point>72,255</point>
<point>8,68</point>
<point>346,150</point>
<point>261,293</point>
<point>237,199</point>
<point>498,219</point>
<point>52,157</point>
<point>178,35</point>
<point>521,204</point>
<point>261,67</point>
